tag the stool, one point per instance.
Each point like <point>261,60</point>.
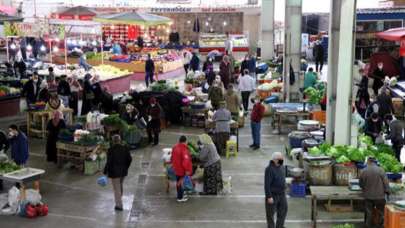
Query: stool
<point>231,148</point>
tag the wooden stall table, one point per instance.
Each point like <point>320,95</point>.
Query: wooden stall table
<point>76,154</point>
<point>23,177</point>
<point>329,193</point>
<point>44,116</point>
<point>189,113</point>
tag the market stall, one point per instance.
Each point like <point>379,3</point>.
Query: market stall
<point>10,98</point>
<point>38,117</point>
<point>210,42</point>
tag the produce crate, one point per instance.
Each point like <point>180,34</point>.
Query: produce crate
<point>298,189</point>
<point>393,218</point>
<point>90,167</point>
<point>263,94</point>
<point>101,164</point>
<point>74,154</point>
<point>319,116</point>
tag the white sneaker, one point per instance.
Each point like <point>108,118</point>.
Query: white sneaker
<point>182,200</point>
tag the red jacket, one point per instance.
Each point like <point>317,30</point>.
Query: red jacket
<point>257,113</point>
<point>181,160</point>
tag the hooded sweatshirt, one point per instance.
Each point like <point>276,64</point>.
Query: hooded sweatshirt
<point>274,180</point>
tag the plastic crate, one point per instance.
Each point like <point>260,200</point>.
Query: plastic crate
<point>298,190</point>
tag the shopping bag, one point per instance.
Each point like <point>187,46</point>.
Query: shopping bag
<point>188,184</point>
<point>171,175</point>
<point>198,174</point>
<point>102,181</point>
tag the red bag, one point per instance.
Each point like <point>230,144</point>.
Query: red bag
<point>30,211</point>
<point>42,210</point>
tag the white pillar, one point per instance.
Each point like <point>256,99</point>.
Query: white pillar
<point>292,45</point>
<point>334,33</point>
<point>345,73</point>
<point>267,27</point>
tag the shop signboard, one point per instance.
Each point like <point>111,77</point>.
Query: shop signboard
<point>39,29</point>
<point>180,9</point>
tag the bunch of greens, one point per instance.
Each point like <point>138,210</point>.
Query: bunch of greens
<point>389,163</point>
<point>88,140</point>
<point>365,140</point>
<point>8,167</point>
<point>115,121</point>
<point>314,95</point>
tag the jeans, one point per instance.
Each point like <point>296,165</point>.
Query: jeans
<point>280,207</point>
<point>148,78</point>
<point>179,186</point>
<point>256,133</point>
<point>370,206</point>
<point>118,190</point>
<point>245,100</point>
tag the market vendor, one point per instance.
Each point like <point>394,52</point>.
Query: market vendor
<point>396,129</point>
<point>83,62</point>
<point>379,76</point>
<point>64,90</point>
<point>116,48</point>
<point>130,115</point>
<point>212,166</point>
<point>43,95</point>
<point>310,78</point>
<point>153,126</point>
<point>54,103</point>
<point>215,94</point>
<point>374,184</point>
<point>195,62</point>
<point>55,125</point>
<point>222,118</point>
<point>373,127</point>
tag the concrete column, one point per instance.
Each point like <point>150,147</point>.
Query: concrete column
<point>267,27</point>
<point>334,33</point>
<point>345,73</point>
<point>292,45</point>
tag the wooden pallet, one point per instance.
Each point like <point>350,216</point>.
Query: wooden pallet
<point>339,208</point>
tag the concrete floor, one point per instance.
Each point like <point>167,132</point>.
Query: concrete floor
<point>76,200</point>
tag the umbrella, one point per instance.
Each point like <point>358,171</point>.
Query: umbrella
<point>133,18</point>
<point>395,34</point>
<point>196,27</point>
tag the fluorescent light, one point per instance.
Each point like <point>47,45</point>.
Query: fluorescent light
<point>55,49</point>
<point>29,47</point>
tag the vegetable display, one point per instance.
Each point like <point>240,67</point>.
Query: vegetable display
<point>114,121</point>
<point>89,140</point>
<point>314,95</point>
<point>162,86</point>
<point>8,167</point>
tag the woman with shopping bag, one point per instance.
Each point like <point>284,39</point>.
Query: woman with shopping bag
<point>212,166</point>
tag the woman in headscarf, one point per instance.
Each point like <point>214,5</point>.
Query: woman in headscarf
<point>54,126</point>
<point>54,103</point>
<point>225,71</point>
<point>88,95</point>
<point>75,89</point>
<point>208,69</point>
<point>215,94</point>
<point>98,92</point>
<point>212,165</point>
<point>43,95</point>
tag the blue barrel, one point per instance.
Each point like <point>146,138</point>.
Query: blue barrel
<point>271,99</point>
<point>295,138</point>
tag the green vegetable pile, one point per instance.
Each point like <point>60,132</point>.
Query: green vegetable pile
<point>314,95</point>
<point>7,167</point>
<point>115,121</point>
<point>162,86</point>
<point>192,147</point>
<point>88,140</point>
<point>344,154</point>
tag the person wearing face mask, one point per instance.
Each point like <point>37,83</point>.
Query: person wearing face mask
<point>43,94</point>
<point>19,145</point>
<point>64,91</point>
<point>373,126</point>
<point>378,76</point>
<point>88,95</point>
<point>225,71</point>
<point>31,89</point>
<point>153,125</point>
<point>274,186</point>
<point>208,69</point>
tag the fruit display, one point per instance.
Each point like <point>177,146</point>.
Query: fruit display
<point>218,40</point>
<point>107,72</point>
<point>8,91</point>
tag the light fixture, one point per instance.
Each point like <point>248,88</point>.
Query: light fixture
<point>207,23</point>
<point>225,23</point>
<point>188,22</point>
<point>94,43</point>
<point>13,46</point>
<point>29,47</point>
<point>55,49</point>
<point>57,40</point>
<point>42,48</point>
<point>168,30</point>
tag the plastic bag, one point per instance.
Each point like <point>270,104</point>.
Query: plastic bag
<point>167,155</point>
<point>171,175</point>
<point>188,184</point>
<point>33,196</point>
<point>102,181</point>
<point>14,198</point>
<point>198,174</point>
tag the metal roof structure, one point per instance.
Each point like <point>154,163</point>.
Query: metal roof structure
<point>381,14</point>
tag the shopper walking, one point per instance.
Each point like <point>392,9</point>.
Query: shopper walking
<point>54,126</point>
<point>252,65</point>
<point>118,162</point>
<point>153,126</point>
<point>274,186</point>
<point>396,129</point>
<point>31,89</point>
<point>195,62</point>
<point>18,144</point>
<point>182,165</point>
<point>64,90</point>
<point>215,94</point>
<point>255,122</point>
<point>211,162</point>
<point>232,102</point>
<point>319,53</point>
<point>76,91</point>
<point>149,70</point>
<point>384,101</point>
<point>208,69</point>
<point>374,185</point>
<point>186,60</point>
<point>245,64</point>
<point>225,71</point>
<point>246,86</point>
<point>222,118</point>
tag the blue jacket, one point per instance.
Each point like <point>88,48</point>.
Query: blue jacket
<point>274,180</point>
<point>19,148</point>
<point>195,63</point>
<point>252,65</point>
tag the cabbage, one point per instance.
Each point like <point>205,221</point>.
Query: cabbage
<point>315,151</point>
<point>342,159</point>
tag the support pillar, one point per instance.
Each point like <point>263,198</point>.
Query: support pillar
<point>334,33</point>
<point>292,46</point>
<point>267,27</point>
<point>345,73</point>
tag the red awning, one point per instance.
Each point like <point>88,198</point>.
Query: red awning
<point>75,13</point>
<point>395,34</point>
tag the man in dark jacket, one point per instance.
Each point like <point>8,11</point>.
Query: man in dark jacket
<point>64,90</point>
<point>31,89</point>
<point>319,53</point>
<point>149,70</point>
<point>274,186</point>
<point>374,185</point>
<point>19,145</point>
<point>384,102</point>
<point>195,62</point>
<point>118,161</point>
<point>395,134</point>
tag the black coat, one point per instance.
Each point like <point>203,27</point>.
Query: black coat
<point>319,52</point>
<point>373,128</point>
<point>244,66</point>
<point>149,66</point>
<point>29,91</point>
<point>385,106</point>
<point>118,161</point>
<point>64,88</point>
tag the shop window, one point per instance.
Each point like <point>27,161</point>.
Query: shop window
<point>392,24</point>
